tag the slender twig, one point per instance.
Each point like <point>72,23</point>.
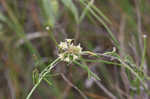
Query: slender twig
<point>71,84</point>
<point>31,36</point>
<point>126,66</point>
<point>124,76</point>
<point>10,85</point>
<point>104,89</point>
<point>139,24</point>
<point>42,75</point>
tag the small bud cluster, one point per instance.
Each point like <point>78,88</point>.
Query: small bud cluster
<point>68,52</point>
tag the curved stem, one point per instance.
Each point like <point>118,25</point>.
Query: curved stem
<point>42,75</point>
<point>127,67</point>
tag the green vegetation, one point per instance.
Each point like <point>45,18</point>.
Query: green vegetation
<point>111,60</point>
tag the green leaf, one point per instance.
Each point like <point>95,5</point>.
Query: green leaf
<point>70,5</point>
<point>51,11</point>
<point>85,10</point>
<point>115,41</point>
<point>35,76</point>
<point>99,12</point>
<point>47,81</point>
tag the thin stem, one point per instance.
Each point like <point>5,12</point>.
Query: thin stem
<point>72,85</point>
<point>104,24</point>
<point>143,56</point>
<point>104,89</point>
<point>102,61</point>
<point>126,66</point>
<point>42,75</point>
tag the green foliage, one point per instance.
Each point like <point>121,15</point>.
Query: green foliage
<point>71,6</point>
<point>51,10</point>
<point>88,21</point>
<point>35,76</point>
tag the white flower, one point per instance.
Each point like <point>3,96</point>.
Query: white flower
<point>67,59</point>
<point>63,45</point>
<point>75,57</point>
<point>61,56</point>
<point>69,40</point>
<point>68,51</point>
<point>79,48</point>
<point>144,36</point>
<point>47,28</point>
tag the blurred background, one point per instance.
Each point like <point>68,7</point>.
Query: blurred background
<point>31,29</point>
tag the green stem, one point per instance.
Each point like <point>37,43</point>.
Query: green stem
<point>126,66</point>
<point>143,55</point>
<point>42,75</point>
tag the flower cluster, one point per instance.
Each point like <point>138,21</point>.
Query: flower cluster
<point>68,52</point>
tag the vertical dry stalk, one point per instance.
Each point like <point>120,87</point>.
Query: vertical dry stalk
<point>122,45</point>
